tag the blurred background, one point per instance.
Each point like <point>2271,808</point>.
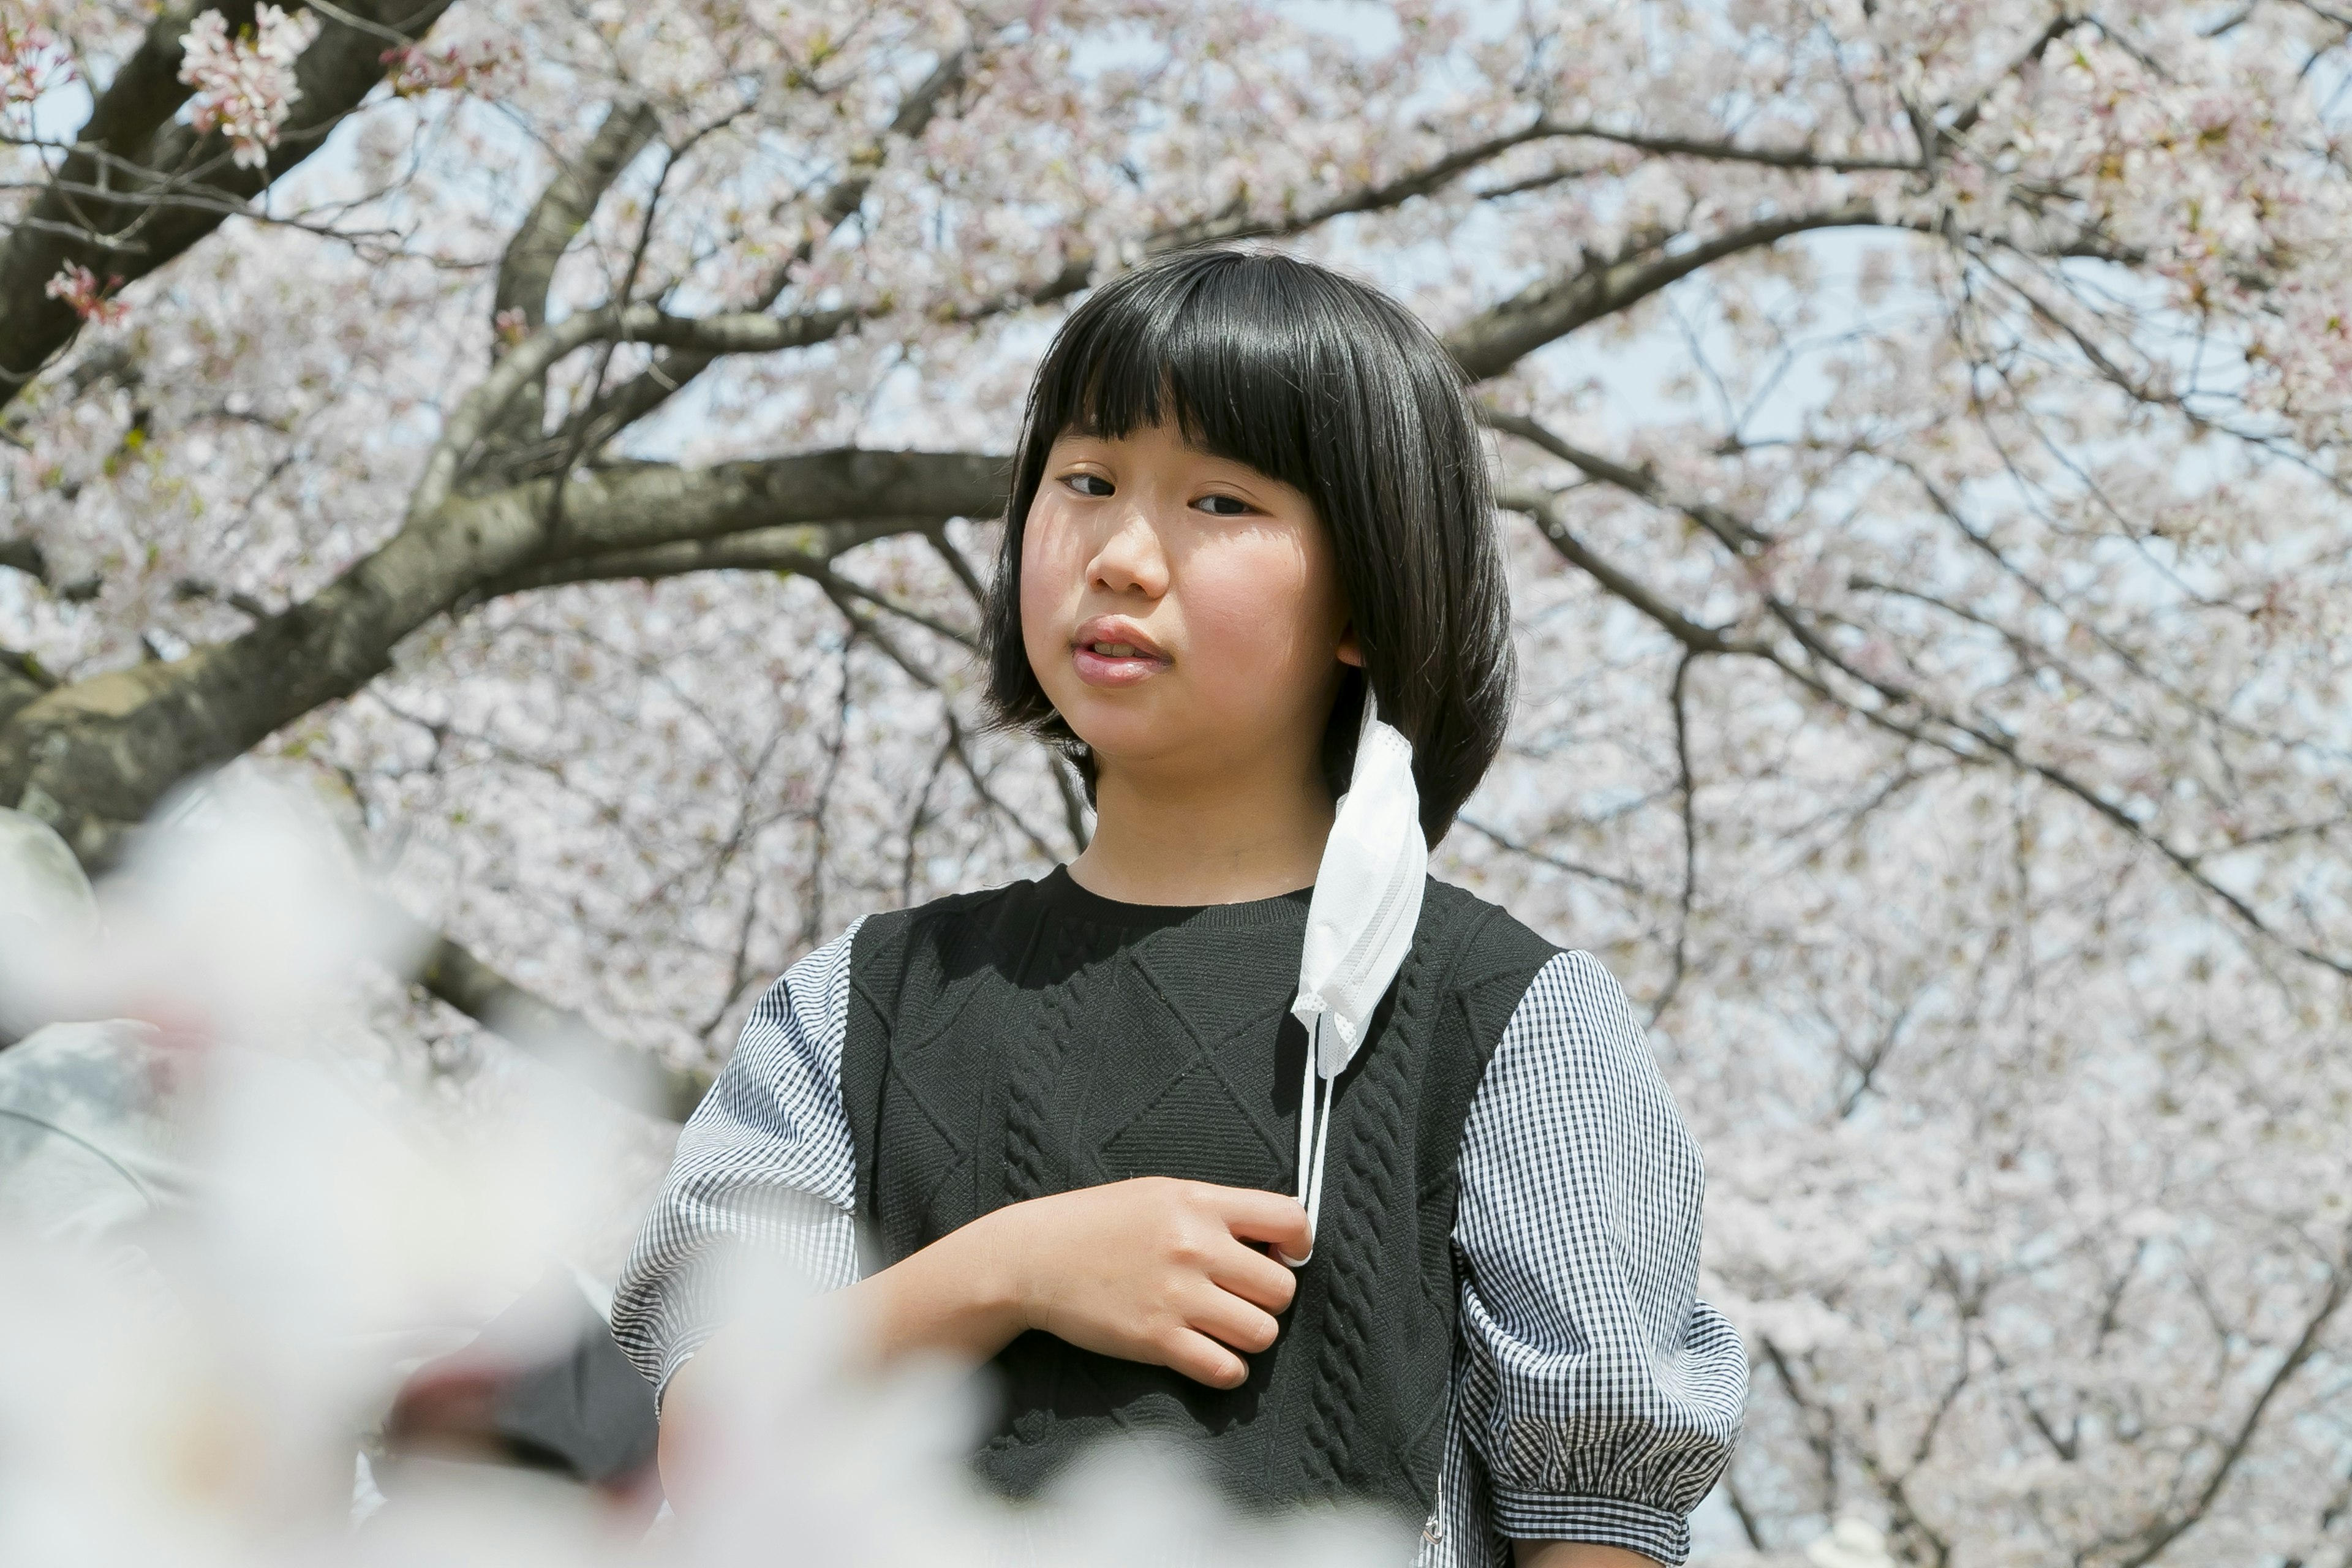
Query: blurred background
<point>548,451</point>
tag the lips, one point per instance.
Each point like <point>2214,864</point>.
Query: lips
<point>1111,652</point>
<point>1109,636</point>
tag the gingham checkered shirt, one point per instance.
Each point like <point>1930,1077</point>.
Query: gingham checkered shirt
<point>1595,1398</point>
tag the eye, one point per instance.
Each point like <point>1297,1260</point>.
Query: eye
<point>1224,506</point>
<point>1079,482</point>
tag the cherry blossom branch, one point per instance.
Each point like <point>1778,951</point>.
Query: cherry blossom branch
<point>1945,507</point>
<point>1430,178</point>
<point>22,682</point>
<point>2064,20</point>
<point>1963,739</point>
<point>25,556</point>
<point>526,267</point>
<point>1721,151</point>
<point>1492,343</point>
<point>1486,346</point>
<point>613,411</point>
<point>481,409</point>
<point>132,121</point>
<point>2152,1542</point>
<point>1506,842</point>
<point>868,629</point>
<point>1818,1422</point>
<point>1544,513</point>
<point>1685,795</point>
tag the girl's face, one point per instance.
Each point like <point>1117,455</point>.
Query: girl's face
<point>1181,611</point>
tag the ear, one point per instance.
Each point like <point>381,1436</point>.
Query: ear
<point>1350,651</point>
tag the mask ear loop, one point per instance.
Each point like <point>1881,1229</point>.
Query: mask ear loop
<point>1314,1137</point>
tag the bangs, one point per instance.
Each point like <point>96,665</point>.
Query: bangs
<point>1217,352</point>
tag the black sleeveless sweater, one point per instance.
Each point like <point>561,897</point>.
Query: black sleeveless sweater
<point>1036,1037</point>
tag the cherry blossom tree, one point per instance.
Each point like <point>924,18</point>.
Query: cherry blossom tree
<point>569,433</point>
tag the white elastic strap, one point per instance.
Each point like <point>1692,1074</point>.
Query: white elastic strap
<point>1322,1156</point>
<point>1314,1137</point>
<point>1307,1113</point>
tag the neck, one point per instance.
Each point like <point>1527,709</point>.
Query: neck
<point>1160,839</point>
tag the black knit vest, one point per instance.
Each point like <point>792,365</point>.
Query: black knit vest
<point>1036,1037</point>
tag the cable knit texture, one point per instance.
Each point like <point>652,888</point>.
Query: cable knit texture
<point>1037,1038</point>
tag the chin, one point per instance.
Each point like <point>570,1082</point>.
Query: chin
<point>1110,730</point>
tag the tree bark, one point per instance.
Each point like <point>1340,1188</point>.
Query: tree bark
<point>95,756</point>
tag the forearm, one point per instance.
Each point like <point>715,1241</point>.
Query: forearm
<point>1575,1554</point>
<point>961,1296</point>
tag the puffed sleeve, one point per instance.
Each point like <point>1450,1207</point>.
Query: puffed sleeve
<point>1599,1395</point>
<point>765,1163</point>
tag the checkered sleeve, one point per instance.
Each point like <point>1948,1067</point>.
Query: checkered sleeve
<point>1596,1398</point>
<point>765,1163</point>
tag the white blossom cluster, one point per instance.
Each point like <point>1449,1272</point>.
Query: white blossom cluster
<point>245,84</point>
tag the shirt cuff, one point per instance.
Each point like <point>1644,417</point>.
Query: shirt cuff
<point>1654,1533</point>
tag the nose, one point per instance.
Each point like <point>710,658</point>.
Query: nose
<point>1130,559</point>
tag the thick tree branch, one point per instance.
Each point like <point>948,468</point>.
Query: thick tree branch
<point>1491,343</point>
<point>130,144</point>
<point>797,547</point>
<point>104,750</point>
<point>800,551</point>
<point>563,209</point>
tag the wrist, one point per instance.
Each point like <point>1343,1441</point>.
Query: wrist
<point>992,1284</point>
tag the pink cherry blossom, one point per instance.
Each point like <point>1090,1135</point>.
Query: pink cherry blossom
<point>93,301</point>
<point>245,85</point>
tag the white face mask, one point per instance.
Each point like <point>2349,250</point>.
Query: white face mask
<point>1359,924</point>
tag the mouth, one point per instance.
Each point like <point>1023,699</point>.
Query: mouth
<point>1115,660</point>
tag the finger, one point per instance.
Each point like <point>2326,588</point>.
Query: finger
<point>1256,1215</point>
<point>1229,1320</point>
<point>1203,1359</point>
<point>1255,1277</point>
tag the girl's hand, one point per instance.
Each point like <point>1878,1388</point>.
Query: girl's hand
<point>1153,1269</point>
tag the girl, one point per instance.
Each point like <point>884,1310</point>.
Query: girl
<point>1251,583</point>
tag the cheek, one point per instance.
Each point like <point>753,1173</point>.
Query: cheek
<point>1257,607</point>
<point>1051,571</point>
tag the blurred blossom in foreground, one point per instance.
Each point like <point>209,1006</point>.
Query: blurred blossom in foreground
<point>227,1241</point>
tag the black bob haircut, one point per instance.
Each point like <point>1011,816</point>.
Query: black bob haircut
<point>1338,391</point>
